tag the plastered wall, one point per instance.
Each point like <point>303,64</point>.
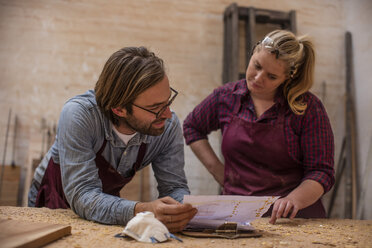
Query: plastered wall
<point>357,21</point>
<point>53,50</point>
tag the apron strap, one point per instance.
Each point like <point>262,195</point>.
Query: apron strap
<point>139,160</point>
<point>140,156</point>
<point>102,147</point>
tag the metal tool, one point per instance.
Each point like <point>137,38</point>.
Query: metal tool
<point>351,136</point>
<point>227,230</point>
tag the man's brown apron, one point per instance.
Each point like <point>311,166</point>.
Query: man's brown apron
<point>257,162</point>
<point>51,193</point>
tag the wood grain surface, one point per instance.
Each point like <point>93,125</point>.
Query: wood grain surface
<point>19,233</point>
<point>304,233</point>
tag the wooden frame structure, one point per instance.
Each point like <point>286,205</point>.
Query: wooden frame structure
<point>251,16</point>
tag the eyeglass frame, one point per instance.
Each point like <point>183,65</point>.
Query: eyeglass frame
<point>162,110</point>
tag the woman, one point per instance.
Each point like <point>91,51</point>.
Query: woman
<point>276,135</point>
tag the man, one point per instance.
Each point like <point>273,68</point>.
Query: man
<point>104,136</point>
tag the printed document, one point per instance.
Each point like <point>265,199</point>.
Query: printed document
<point>214,210</point>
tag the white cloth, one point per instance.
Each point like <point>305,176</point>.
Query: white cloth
<point>144,227</point>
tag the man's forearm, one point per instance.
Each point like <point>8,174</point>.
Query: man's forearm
<point>104,208</point>
<point>143,206</point>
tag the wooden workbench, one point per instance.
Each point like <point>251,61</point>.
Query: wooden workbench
<point>286,233</point>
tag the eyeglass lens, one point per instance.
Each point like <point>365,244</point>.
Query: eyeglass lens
<point>161,111</point>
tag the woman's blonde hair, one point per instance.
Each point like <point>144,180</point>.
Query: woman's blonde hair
<point>299,56</point>
<point>126,74</point>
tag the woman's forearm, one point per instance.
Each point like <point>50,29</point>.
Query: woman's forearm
<point>203,150</point>
<point>307,193</point>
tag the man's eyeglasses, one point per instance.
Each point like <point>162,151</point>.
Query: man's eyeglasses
<point>161,111</point>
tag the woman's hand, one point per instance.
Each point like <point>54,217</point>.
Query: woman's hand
<point>307,193</point>
<point>283,207</point>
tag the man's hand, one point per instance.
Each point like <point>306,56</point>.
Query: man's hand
<point>173,214</point>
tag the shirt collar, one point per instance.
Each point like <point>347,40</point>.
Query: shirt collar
<point>116,141</point>
<point>241,88</point>
<point>243,91</point>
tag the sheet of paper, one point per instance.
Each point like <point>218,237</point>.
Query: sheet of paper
<point>214,210</point>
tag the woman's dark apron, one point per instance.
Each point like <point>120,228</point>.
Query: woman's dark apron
<point>257,162</point>
<point>51,193</point>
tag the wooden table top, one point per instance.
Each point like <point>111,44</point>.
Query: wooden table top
<point>286,233</point>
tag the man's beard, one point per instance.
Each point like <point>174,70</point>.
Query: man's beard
<point>141,127</point>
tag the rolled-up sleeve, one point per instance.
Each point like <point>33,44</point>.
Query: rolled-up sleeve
<point>76,136</point>
<point>168,166</point>
<point>317,144</point>
<point>202,120</point>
